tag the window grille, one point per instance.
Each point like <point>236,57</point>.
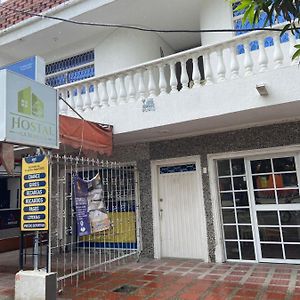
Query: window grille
<point>237,24</point>
<point>71,69</point>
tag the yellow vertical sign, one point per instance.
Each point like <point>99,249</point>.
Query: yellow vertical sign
<point>34,208</point>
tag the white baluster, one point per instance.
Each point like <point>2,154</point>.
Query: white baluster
<point>278,55</point>
<point>262,58</point>
<point>208,69</point>
<point>184,75</point>
<point>221,66</point>
<point>151,83</point>
<point>71,102</point>
<point>113,96</point>
<point>162,80</point>
<point>96,98</point>
<point>104,94</point>
<point>196,74</point>
<point>63,105</point>
<point>122,92</point>
<point>173,78</point>
<point>234,64</point>
<point>142,89</point>
<point>79,100</point>
<point>87,98</point>
<point>248,62</point>
<point>131,88</point>
<point>292,49</point>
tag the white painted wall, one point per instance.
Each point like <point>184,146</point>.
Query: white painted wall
<point>215,14</point>
<point>125,48</point>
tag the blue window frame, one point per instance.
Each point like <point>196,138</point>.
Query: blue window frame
<point>71,69</point>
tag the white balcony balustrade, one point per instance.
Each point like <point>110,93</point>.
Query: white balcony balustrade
<point>192,69</point>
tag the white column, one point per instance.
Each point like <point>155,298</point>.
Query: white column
<point>196,74</point>
<point>184,75</point>
<point>122,92</point>
<point>71,101</point>
<point>173,78</point>
<point>142,89</point>
<point>79,101</point>
<point>262,58</point>
<point>278,55</point>
<point>234,64</point>
<point>87,98</point>
<point>248,62</point>
<point>151,83</point>
<point>96,98</point>
<point>63,107</point>
<point>221,66</point>
<point>113,96</point>
<point>162,80</point>
<point>208,69</point>
<point>131,88</point>
<point>104,94</point>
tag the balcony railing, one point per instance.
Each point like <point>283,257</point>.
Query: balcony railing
<point>192,69</point>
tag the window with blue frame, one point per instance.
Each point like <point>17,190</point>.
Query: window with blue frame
<point>237,22</point>
<point>70,69</point>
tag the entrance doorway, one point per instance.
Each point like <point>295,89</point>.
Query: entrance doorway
<point>260,203</point>
<point>179,209</point>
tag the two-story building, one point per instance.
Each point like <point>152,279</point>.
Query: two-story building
<point>210,118</point>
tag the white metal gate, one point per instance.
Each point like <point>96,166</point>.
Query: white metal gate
<point>72,256</point>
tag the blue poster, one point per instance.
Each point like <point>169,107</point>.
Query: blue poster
<point>26,67</point>
<point>91,213</point>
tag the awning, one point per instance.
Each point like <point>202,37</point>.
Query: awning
<point>88,136</point>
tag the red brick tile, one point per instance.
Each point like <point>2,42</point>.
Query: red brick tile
<point>189,296</point>
<point>279,282</point>
<point>274,296</point>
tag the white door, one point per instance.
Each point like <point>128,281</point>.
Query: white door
<point>179,211</point>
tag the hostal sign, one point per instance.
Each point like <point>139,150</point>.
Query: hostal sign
<point>28,114</point>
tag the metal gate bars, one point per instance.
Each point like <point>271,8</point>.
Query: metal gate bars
<point>71,255</point>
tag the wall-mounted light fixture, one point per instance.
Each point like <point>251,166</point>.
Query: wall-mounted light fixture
<point>262,90</point>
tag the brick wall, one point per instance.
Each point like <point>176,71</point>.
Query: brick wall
<point>9,17</point>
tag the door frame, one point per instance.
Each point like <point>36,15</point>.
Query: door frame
<point>213,185</point>
<point>155,165</point>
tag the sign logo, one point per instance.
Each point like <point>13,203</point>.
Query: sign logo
<point>30,104</point>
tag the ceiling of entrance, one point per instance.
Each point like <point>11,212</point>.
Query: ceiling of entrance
<point>160,14</point>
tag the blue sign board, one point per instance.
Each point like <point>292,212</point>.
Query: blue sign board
<point>31,67</point>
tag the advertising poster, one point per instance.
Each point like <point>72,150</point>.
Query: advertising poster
<point>34,207</point>
<point>91,213</point>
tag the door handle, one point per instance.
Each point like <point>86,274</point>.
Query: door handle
<point>160,213</point>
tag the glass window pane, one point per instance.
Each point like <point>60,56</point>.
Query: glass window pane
<point>265,197</point>
<point>223,167</point>
<point>271,251</point>
<point>226,199</point>
<point>243,215</point>
<point>228,216</point>
<point>247,249</point>
<point>291,234</point>
<point>292,251</point>
<point>290,217</point>
<point>284,164</point>
<point>225,184</point>
<point>269,234</point>
<point>288,196</point>
<point>238,166</point>
<point>241,199</point>
<point>240,183</point>
<point>267,218</point>
<point>230,232</point>
<point>232,250</point>
<point>286,180</point>
<point>261,166</point>
<point>245,232</point>
<point>263,182</point>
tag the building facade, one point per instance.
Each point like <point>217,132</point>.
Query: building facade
<point>211,119</point>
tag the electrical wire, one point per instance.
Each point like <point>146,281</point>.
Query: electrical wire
<point>138,28</point>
